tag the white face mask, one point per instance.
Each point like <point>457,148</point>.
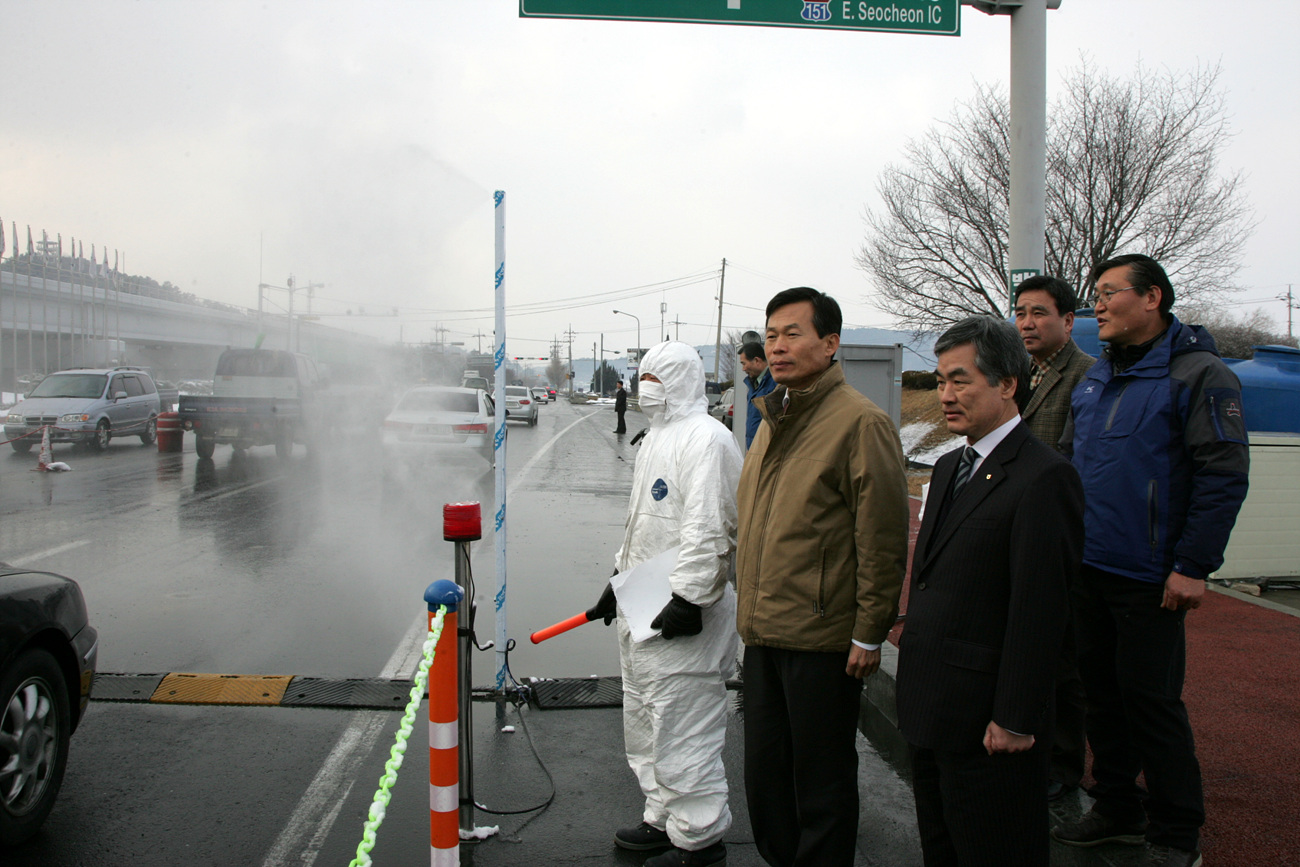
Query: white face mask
<point>654,399</point>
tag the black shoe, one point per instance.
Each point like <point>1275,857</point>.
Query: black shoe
<point>1168,856</point>
<point>1094,829</point>
<point>642,838</point>
<point>1056,791</point>
<point>709,855</point>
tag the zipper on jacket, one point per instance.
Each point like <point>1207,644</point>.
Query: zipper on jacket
<point>1114,407</point>
<point>1214,417</point>
<point>1153,516</point>
<point>819,607</point>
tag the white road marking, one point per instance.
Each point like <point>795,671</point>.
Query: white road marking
<point>546,447</point>
<point>48,552</point>
<point>305,832</point>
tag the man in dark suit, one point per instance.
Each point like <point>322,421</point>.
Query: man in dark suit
<point>1001,538</point>
<point>1045,317</point>
<point>620,407</point>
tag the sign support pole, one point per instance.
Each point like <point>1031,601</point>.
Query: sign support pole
<point>499,440</point>
<point>1028,220</point>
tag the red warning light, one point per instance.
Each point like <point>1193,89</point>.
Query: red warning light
<point>462,522</point>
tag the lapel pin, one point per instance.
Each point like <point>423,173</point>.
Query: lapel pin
<point>989,476</point>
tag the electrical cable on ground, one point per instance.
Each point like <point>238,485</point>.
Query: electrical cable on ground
<point>518,696</point>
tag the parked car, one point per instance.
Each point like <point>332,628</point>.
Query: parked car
<point>85,405</point>
<point>48,652</point>
<point>540,395</point>
<point>520,404</point>
<point>439,420</point>
<point>725,408</point>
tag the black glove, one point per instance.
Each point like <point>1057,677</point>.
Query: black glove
<point>606,608</point>
<point>679,617</point>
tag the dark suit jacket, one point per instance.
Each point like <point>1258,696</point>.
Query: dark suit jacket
<point>1049,405</point>
<point>988,601</point>
<point>620,400</point>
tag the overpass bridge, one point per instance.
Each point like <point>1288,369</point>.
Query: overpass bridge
<point>63,320</point>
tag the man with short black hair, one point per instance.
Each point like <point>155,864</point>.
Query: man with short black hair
<point>1045,317</point>
<point>989,601</point>
<point>758,382</point>
<point>1160,443</point>
<point>822,547</point>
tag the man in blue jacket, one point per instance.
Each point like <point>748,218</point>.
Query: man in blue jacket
<point>1160,444</point>
<point>758,382</point>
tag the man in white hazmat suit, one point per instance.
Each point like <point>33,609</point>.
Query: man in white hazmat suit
<point>674,692</point>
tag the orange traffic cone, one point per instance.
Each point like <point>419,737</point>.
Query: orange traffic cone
<point>44,461</point>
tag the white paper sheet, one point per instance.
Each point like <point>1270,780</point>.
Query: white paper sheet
<point>643,591</point>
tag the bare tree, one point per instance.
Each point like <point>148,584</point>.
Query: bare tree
<point>1236,336</point>
<point>1132,166</point>
<point>556,371</point>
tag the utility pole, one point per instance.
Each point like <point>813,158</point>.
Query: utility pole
<point>717,343</point>
<point>677,335</point>
<point>596,361</point>
<point>570,335</point>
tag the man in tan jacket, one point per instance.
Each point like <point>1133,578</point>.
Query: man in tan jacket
<point>822,548</point>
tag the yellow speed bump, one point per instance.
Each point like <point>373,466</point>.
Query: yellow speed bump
<point>185,688</point>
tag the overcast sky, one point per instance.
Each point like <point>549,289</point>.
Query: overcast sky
<point>357,145</point>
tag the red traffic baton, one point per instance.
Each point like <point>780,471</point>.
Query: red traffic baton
<point>563,626</point>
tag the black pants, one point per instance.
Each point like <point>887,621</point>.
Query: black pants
<point>977,810</point>
<point>801,760</point>
<point>622,425</point>
<point>1132,656</point>
<point>1069,738</point>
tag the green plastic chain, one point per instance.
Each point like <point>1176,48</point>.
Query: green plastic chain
<point>382,796</point>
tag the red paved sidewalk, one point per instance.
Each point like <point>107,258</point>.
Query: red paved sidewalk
<point>1243,696</point>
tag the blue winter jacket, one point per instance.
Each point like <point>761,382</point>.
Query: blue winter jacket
<point>1162,452</point>
<point>752,416</point>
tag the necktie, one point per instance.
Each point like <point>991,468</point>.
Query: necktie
<point>964,467</point>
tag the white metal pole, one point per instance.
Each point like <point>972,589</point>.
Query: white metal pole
<point>1028,220</point>
<point>499,440</point>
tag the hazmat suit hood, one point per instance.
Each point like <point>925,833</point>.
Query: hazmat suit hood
<point>679,368</point>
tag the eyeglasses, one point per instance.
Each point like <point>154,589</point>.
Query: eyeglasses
<point>1106,294</point>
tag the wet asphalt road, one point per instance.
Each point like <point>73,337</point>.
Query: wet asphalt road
<point>317,566</point>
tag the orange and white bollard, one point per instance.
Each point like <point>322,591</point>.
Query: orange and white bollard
<point>444,717</point>
<point>46,458</point>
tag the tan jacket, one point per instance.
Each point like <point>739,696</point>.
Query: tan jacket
<point>1049,404</point>
<point>822,544</point>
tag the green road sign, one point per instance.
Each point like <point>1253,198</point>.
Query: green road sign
<point>938,17</point>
